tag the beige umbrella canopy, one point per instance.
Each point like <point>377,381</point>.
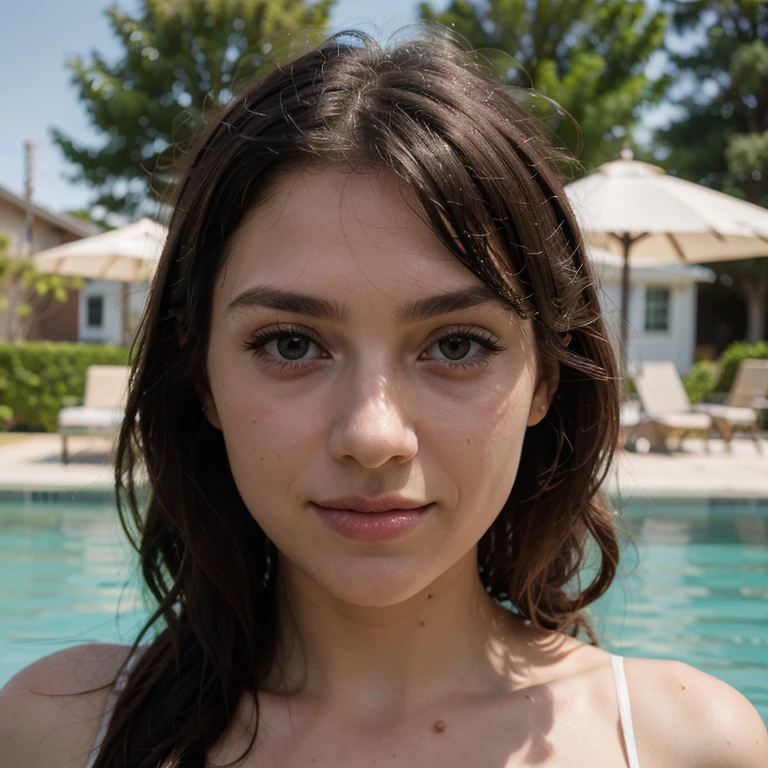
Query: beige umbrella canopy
<point>128,255</point>
<point>636,210</point>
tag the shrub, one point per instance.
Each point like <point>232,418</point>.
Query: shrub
<point>733,355</point>
<point>37,379</point>
<point>701,380</point>
<point>6,416</point>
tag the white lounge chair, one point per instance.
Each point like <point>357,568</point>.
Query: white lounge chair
<point>666,405</point>
<point>746,397</point>
<point>632,423</point>
<point>103,405</point>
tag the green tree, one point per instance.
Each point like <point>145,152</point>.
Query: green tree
<point>721,138</point>
<point>179,58</point>
<point>23,287</point>
<point>586,55</point>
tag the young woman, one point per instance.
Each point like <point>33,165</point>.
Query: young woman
<point>371,410</point>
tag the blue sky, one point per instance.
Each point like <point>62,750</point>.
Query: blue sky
<point>36,39</point>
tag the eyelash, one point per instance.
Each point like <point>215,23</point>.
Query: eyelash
<point>258,340</point>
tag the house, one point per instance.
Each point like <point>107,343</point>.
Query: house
<point>101,315</point>
<point>52,321</point>
<point>662,307</point>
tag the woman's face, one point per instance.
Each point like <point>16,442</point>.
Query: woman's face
<point>354,361</point>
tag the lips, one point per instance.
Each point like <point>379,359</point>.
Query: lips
<point>368,505</point>
<point>371,520</point>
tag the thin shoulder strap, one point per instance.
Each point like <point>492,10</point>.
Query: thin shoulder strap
<point>625,711</point>
<point>119,686</point>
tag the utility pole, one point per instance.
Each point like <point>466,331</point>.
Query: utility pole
<point>25,243</point>
<point>29,186</point>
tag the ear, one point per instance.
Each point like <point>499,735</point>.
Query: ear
<point>209,406</point>
<point>549,379</point>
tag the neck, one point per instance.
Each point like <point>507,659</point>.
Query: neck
<point>384,662</point>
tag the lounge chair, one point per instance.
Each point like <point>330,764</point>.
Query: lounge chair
<point>747,396</point>
<point>750,385</point>
<point>666,405</point>
<point>103,405</point>
<point>632,424</point>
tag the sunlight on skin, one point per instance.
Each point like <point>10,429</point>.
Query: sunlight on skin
<point>371,406</point>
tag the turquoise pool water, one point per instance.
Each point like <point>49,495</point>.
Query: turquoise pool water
<point>695,588</point>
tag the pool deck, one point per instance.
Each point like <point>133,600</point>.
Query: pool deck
<point>33,465</point>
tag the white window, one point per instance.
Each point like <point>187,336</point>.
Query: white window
<point>95,312</point>
<point>657,309</point>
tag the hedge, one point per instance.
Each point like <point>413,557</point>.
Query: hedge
<point>37,379</point>
<point>733,354</point>
<point>701,380</point>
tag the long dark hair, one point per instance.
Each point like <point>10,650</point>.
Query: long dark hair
<point>483,174</point>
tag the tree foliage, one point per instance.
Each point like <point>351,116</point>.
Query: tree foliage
<point>179,59</point>
<point>25,286</point>
<point>721,139</point>
<point>586,55</point>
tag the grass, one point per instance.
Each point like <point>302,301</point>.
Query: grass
<point>6,438</point>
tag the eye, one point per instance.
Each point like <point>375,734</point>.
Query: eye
<point>463,349</point>
<point>284,346</point>
<point>293,347</point>
<point>455,347</point>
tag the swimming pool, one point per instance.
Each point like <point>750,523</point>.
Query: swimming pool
<point>695,589</point>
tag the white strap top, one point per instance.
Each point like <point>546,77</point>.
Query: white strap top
<point>625,711</point>
<point>617,662</point>
<point>119,686</point>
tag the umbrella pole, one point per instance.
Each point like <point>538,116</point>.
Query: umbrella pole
<point>124,315</point>
<point>626,242</point>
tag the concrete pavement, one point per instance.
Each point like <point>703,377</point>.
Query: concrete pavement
<point>33,466</point>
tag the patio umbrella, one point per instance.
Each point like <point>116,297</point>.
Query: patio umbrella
<point>636,210</point>
<point>127,255</point>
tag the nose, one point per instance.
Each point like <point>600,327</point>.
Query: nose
<point>371,426</point>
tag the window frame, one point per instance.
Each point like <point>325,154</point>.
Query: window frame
<point>653,309</point>
<point>88,307</point>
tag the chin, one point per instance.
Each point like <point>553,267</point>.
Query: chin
<point>373,581</point>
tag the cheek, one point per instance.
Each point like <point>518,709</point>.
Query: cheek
<point>482,443</point>
<point>267,441</point>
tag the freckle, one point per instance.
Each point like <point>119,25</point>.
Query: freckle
<point>438,726</point>
<point>422,623</point>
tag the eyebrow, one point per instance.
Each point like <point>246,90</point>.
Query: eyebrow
<point>411,311</point>
<point>443,303</point>
<point>287,301</point>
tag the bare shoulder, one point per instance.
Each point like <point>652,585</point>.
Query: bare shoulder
<point>685,717</point>
<point>50,710</point>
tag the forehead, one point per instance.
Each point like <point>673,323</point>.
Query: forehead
<point>330,227</point>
